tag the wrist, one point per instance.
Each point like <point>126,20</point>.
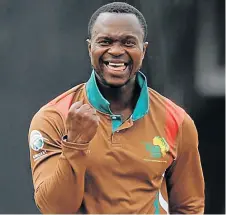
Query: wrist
<point>74,145</point>
<point>68,139</point>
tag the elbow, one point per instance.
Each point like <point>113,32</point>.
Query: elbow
<point>55,202</point>
<point>192,208</point>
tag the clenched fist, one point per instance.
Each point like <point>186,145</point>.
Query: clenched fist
<point>81,123</point>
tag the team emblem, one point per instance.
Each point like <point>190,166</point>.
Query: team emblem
<point>158,148</point>
<point>36,140</point>
<point>161,142</point>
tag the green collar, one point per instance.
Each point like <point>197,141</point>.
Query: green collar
<point>100,103</point>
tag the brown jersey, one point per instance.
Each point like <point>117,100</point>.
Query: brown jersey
<point>147,164</point>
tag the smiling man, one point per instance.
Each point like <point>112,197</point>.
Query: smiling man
<point>113,145</point>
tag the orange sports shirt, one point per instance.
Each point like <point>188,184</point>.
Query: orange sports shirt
<point>148,164</point>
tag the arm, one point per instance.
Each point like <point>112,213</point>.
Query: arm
<point>185,182</point>
<point>58,174</point>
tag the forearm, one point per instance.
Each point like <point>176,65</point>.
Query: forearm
<point>59,172</point>
<point>63,190</point>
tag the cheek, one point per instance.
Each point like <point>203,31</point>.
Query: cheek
<point>137,58</point>
<point>95,54</point>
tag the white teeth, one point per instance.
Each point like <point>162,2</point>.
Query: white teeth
<point>116,64</point>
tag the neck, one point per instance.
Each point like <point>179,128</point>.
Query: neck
<point>121,98</point>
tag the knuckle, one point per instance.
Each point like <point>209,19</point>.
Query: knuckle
<point>76,105</point>
<point>85,106</point>
<point>86,115</point>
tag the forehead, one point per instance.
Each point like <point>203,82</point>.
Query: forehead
<point>115,24</point>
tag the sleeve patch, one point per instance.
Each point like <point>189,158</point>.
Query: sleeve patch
<point>36,141</point>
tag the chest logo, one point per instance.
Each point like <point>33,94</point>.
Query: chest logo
<point>158,148</point>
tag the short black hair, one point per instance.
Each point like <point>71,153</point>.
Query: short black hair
<point>118,7</point>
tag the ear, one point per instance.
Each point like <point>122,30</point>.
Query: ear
<point>89,46</point>
<point>145,45</point>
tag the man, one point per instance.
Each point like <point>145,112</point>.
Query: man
<point>113,145</point>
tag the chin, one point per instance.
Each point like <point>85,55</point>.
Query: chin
<point>115,84</point>
<point>113,81</point>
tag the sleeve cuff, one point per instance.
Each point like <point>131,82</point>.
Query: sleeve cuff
<point>76,146</point>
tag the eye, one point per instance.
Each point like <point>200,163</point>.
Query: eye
<point>104,42</point>
<point>129,43</point>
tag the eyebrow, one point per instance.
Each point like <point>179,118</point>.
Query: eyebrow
<point>108,37</point>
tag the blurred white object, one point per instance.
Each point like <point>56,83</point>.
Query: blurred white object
<point>210,76</point>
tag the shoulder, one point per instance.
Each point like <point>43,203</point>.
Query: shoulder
<point>169,108</point>
<point>171,114</point>
<point>56,110</point>
<point>63,102</point>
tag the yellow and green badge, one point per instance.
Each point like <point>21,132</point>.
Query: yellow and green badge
<point>159,148</point>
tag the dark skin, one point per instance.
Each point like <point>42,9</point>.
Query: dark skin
<point>118,38</point>
<point>116,49</point>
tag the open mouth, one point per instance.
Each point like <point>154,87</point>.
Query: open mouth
<point>116,66</point>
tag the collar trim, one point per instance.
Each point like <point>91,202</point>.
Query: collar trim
<point>97,100</point>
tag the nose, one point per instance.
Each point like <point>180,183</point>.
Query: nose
<point>116,50</point>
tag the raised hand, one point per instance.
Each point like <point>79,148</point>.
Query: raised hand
<point>81,123</point>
